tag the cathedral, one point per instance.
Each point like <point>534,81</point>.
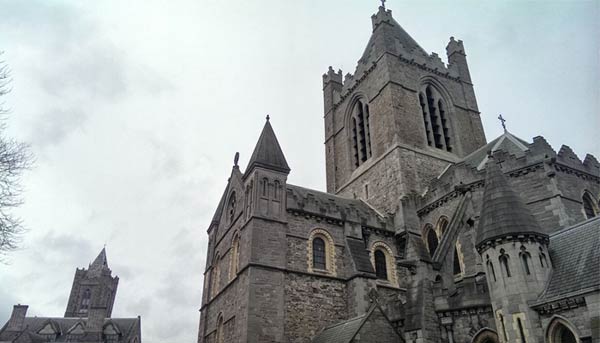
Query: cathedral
<point>87,317</point>
<point>427,232</point>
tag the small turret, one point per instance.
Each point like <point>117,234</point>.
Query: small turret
<point>267,175</point>
<point>515,252</point>
<point>457,58</point>
<point>332,88</point>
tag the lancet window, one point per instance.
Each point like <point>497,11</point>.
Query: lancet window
<point>361,133</point>
<point>435,119</point>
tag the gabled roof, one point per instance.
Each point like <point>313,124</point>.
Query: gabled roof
<point>503,212</point>
<point>575,255</point>
<point>267,153</point>
<point>342,332</point>
<point>506,142</point>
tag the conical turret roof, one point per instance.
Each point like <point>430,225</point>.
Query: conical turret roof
<point>503,212</point>
<point>267,153</point>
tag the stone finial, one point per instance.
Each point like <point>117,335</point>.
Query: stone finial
<point>236,158</point>
<point>383,16</point>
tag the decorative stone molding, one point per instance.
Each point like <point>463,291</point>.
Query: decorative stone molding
<point>330,267</point>
<point>390,261</point>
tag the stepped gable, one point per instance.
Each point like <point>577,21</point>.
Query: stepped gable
<point>305,200</point>
<point>503,212</point>
<point>575,255</point>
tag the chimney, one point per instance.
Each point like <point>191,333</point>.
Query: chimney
<point>15,323</point>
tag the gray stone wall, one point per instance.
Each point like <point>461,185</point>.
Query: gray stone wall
<point>377,329</point>
<point>312,303</point>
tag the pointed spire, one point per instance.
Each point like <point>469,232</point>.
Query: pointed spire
<point>100,263</point>
<point>503,212</point>
<point>267,153</point>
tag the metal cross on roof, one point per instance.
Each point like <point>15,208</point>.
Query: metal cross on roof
<point>383,3</point>
<point>503,121</point>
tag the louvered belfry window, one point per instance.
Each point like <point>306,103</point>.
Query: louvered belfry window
<point>361,133</point>
<point>435,119</point>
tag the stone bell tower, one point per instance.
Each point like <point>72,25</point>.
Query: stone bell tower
<point>401,117</point>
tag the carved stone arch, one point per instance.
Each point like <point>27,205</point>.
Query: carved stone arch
<point>234,255</point>
<point>351,126</point>
<point>390,259</point>
<point>441,226</point>
<point>219,330</point>
<point>554,331</point>
<point>330,256</point>
<point>485,335</point>
<point>430,238</point>
<point>438,116</point>
<point>590,204</point>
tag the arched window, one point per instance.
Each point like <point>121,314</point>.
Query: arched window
<point>588,205</point>
<point>235,256</point>
<point>521,331</point>
<point>360,132</point>
<point>442,225</point>
<point>319,257</point>
<point>490,266</point>
<point>215,275</point>
<point>560,331</point>
<point>457,268</point>
<point>435,119</point>
<point>543,260</point>
<point>219,338</point>
<point>431,239</point>
<point>86,298</point>
<point>525,257</point>
<point>380,265</point>
<point>485,336</point>
<point>232,207</point>
<point>265,187</point>
<point>502,325</point>
<point>504,262</point>
<point>276,186</point>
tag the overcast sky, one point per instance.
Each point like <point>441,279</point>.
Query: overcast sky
<point>135,109</point>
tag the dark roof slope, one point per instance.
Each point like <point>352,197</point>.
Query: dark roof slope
<point>342,332</point>
<point>32,325</point>
<point>267,153</point>
<point>507,142</point>
<point>575,255</point>
<point>503,212</point>
<point>360,255</point>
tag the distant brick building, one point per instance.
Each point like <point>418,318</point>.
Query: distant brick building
<point>87,318</point>
<point>427,232</point>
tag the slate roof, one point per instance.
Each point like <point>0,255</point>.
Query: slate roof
<point>127,326</point>
<point>100,263</point>
<point>267,152</point>
<point>506,142</point>
<point>360,255</point>
<point>503,212</point>
<point>332,206</point>
<point>575,255</point>
<point>342,332</point>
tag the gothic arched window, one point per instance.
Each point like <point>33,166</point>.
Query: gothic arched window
<point>380,265</point>
<point>561,331</point>
<point>220,338</point>
<point>504,262</point>
<point>588,206</point>
<point>521,330</point>
<point>276,186</point>
<point>435,119</point>
<point>457,269</point>
<point>86,298</point>
<point>319,257</point>
<point>491,268</point>
<point>543,260</point>
<point>525,258</point>
<point>360,132</point>
<point>232,207</point>
<point>235,256</point>
<point>215,275</point>
<point>431,239</point>
<point>265,187</point>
